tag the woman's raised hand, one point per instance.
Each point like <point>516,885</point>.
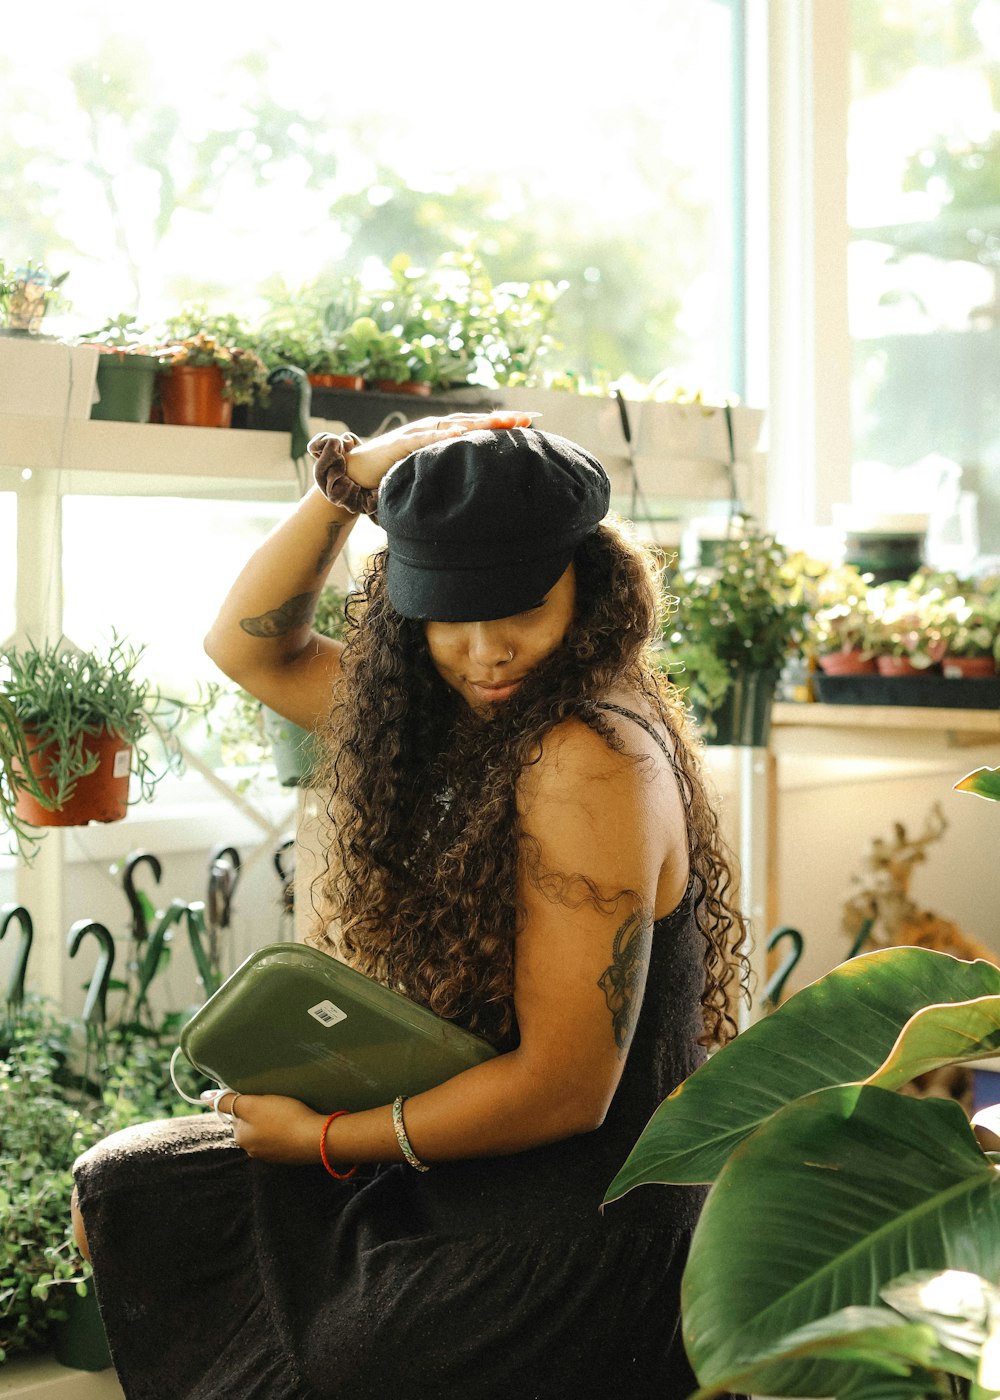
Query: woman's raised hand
<point>369,462</point>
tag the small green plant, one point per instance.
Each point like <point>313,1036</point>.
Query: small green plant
<point>49,1114</point>
<point>840,618</point>
<point>244,374</point>
<point>53,695</point>
<point>744,612</point>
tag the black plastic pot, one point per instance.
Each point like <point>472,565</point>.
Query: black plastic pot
<point>744,717</point>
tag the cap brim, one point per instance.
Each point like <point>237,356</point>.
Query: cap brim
<point>472,595</point>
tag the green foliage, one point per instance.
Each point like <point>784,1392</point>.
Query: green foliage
<point>48,1116</point>
<point>746,611</point>
<point>983,782</point>
<point>829,1190</point>
<point>53,695</point>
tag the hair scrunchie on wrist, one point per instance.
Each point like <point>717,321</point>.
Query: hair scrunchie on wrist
<point>331,451</point>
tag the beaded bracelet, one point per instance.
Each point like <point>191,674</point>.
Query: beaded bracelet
<point>331,451</point>
<point>341,1176</point>
<point>402,1139</point>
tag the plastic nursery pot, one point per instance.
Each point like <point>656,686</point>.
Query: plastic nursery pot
<point>79,1340</point>
<point>192,397</point>
<point>292,748</point>
<point>100,796</point>
<point>125,384</point>
<point>338,381</point>
<point>898,666</point>
<point>744,717</point>
<point>964,667</point>
<point>847,663</point>
<point>411,386</point>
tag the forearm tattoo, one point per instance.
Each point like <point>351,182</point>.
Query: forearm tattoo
<point>622,983</point>
<point>282,620</point>
<point>327,552</point>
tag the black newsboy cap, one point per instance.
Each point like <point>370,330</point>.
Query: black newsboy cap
<point>481,526</point>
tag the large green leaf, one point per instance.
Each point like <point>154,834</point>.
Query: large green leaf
<point>941,1035</point>
<point>831,1199</point>
<point>982,782</point>
<point>875,1340</point>
<point>838,1030</point>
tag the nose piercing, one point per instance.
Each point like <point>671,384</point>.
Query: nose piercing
<point>510,655</point>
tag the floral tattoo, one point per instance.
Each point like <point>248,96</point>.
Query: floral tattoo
<point>282,620</point>
<point>623,981</point>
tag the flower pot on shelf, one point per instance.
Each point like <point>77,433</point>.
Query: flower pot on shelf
<point>354,382</point>
<point>417,387</point>
<point>126,384</point>
<point>966,667</point>
<point>99,796</point>
<point>847,663</point>
<point>192,396</point>
<point>898,666</point>
<point>744,716</point>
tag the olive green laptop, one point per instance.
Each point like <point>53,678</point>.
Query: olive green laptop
<point>292,1020</point>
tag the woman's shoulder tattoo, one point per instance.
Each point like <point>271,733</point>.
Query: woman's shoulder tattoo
<point>623,981</point>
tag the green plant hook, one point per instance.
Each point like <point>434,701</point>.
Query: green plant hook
<point>776,983</point>
<point>138,903</point>
<point>95,1006</point>
<point>11,913</point>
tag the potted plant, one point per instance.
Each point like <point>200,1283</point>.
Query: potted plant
<point>250,731</point>
<point>76,722</point>
<point>907,625</point>
<point>971,630</point>
<point>733,626</point>
<point>126,371</point>
<point>201,379</point>
<point>840,623</point>
<point>850,1241</point>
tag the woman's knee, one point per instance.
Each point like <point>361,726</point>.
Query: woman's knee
<point>79,1233</point>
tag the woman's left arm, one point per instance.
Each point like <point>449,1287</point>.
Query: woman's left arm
<point>580,972</point>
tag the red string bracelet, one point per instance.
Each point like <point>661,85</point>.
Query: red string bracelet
<point>341,1176</point>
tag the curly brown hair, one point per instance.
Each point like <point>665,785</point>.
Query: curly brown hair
<point>427,841</point>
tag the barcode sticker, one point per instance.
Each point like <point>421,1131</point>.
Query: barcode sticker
<point>122,764</point>
<point>327,1014</point>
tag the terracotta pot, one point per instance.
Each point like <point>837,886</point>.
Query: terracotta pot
<point>899,666</point>
<point>412,386</point>
<point>962,667</point>
<point>101,796</point>
<point>847,663</point>
<point>338,381</point>
<point>191,395</point>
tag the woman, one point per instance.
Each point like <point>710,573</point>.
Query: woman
<point>523,843</point>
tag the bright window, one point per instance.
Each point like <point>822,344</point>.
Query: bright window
<point>924,206</point>
<point>594,148</point>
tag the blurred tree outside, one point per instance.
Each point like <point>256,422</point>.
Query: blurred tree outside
<point>105,167</point>
<point>924,195</point>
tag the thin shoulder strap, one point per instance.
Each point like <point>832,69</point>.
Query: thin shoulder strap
<point>643,723</point>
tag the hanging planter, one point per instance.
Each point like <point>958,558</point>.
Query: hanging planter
<point>293,748</point>
<point>193,396</point>
<point>74,726</point>
<point>100,794</point>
